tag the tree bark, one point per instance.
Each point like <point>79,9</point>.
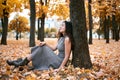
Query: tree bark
<point>105,25</point>
<point>107,29</point>
<point>17,25</point>
<point>42,28</point>
<point>42,22</point>
<point>38,38</point>
<point>115,28</point>
<point>81,57</point>
<point>119,31</point>
<point>32,23</point>
<point>4,31</point>
<point>90,21</point>
<point>20,35</point>
<point>4,26</point>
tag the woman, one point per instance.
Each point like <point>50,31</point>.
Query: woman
<point>43,56</point>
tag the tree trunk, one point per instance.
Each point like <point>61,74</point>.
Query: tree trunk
<point>4,30</point>
<point>107,29</point>
<point>105,25</point>
<point>38,38</point>
<point>32,23</point>
<point>90,22</point>
<point>113,33</point>
<point>119,31</point>
<point>4,25</point>
<point>2,21</point>
<point>17,25</point>
<point>20,35</point>
<point>17,35</point>
<point>81,57</point>
<point>42,28</point>
<point>42,22</point>
<point>113,26</point>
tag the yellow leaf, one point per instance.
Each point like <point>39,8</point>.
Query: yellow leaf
<point>30,78</point>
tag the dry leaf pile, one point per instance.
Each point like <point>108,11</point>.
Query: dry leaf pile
<point>105,59</point>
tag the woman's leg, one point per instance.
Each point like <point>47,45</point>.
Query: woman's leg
<point>34,52</point>
<point>29,58</point>
<point>12,62</point>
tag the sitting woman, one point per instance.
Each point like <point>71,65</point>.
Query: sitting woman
<point>43,56</point>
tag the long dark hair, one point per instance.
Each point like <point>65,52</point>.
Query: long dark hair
<point>68,32</point>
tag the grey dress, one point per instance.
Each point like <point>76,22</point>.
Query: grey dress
<point>44,57</point>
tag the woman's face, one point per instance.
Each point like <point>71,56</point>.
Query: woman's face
<point>62,28</point>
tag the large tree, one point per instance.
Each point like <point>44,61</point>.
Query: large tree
<point>81,57</point>
<point>32,23</point>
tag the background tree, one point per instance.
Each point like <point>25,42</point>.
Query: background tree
<point>105,9</point>
<point>42,19</point>
<point>32,23</point>
<point>115,23</point>
<point>4,15</point>
<point>90,21</point>
<point>101,15</point>
<point>8,6</point>
<point>41,12</point>
<point>81,57</point>
<point>118,21</point>
<point>19,24</point>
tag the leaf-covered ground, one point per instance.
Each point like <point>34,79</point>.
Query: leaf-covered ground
<point>105,59</point>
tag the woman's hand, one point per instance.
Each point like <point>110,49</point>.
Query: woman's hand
<point>56,70</point>
<point>42,43</point>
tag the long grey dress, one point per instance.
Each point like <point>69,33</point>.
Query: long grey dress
<point>44,57</point>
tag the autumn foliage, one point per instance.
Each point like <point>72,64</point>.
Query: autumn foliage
<point>105,59</point>
<point>12,6</point>
<point>60,10</point>
<point>41,9</point>
<point>19,24</point>
<point>106,8</point>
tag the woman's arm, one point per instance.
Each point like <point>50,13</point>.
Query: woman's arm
<point>67,52</point>
<point>53,47</point>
